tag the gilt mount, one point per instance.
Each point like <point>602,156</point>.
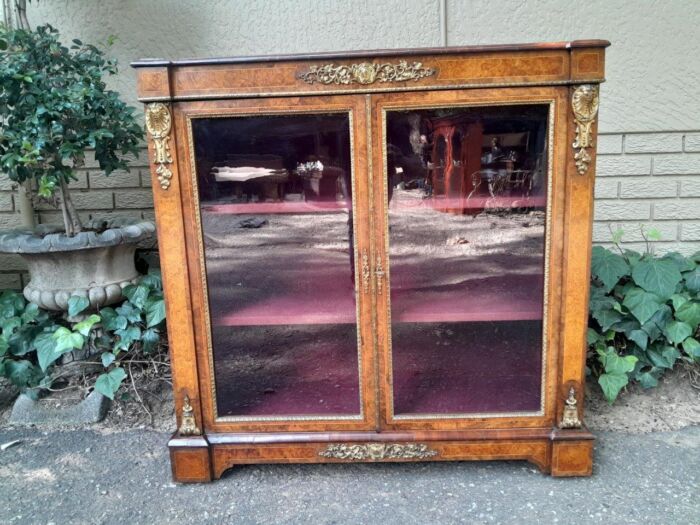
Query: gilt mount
<point>584,103</point>
<point>158,124</point>
<point>188,424</point>
<point>376,451</point>
<point>569,418</point>
<point>366,73</point>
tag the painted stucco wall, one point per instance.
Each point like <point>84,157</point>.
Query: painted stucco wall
<point>649,163</point>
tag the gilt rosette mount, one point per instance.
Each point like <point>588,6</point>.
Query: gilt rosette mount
<point>584,103</point>
<point>377,451</point>
<point>366,73</point>
<point>158,124</point>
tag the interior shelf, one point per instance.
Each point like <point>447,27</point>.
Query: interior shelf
<point>520,301</point>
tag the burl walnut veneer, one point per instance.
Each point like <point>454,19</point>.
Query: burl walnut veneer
<point>376,255</point>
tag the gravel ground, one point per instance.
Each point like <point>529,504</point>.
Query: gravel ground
<point>84,476</point>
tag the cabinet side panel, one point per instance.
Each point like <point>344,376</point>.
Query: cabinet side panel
<point>172,249</point>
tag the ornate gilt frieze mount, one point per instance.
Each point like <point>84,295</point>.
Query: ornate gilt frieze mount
<point>584,103</point>
<point>569,418</point>
<point>366,73</point>
<point>376,451</point>
<point>188,424</point>
<point>158,124</point>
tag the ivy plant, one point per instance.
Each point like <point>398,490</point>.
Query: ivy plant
<point>33,340</point>
<point>54,107</point>
<point>645,314</point>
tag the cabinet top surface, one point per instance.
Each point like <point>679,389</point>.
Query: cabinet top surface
<point>423,51</point>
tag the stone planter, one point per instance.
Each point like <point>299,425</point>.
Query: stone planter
<point>92,264</point>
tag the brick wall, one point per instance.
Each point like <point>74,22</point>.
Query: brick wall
<point>122,194</point>
<point>650,181</point>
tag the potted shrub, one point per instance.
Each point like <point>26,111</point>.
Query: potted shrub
<point>54,109</point>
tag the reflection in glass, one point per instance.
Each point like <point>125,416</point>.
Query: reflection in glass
<point>467,200</point>
<point>275,201</point>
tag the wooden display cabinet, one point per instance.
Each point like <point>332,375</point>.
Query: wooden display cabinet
<point>376,256</point>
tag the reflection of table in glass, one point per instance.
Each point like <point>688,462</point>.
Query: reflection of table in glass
<point>377,258</point>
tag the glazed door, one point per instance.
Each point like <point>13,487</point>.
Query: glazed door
<point>465,190</point>
<point>278,218</point>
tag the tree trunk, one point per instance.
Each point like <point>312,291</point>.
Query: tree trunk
<point>21,12</point>
<point>71,220</point>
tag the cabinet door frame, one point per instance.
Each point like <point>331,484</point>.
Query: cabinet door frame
<point>183,114</point>
<point>558,166</point>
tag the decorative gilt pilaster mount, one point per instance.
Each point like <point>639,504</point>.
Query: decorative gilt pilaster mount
<point>158,124</point>
<point>569,418</point>
<point>188,424</point>
<point>376,451</point>
<point>584,102</point>
<point>366,73</point>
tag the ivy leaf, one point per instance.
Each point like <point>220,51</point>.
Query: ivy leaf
<point>133,315</point>
<point>683,263</point>
<point>22,372</point>
<point>692,348</point>
<point>155,312</point>
<point>111,320</point>
<point>614,363</point>
<point>137,295</point>
<point>692,280</point>
<point>642,304</point>
<point>608,267</point>
<point>86,325</point>
<point>77,304</point>
<point>31,312</point>
<point>108,383</point>
<point>640,337</point>
<point>107,358</point>
<point>678,300</point>
<point>67,340</point>
<point>4,345</point>
<point>150,339</point>
<point>689,313</point>
<point>677,331</point>
<point>663,357</point>
<point>126,337</point>
<point>606,318</point>
<point>647,380</point>
<point>659,276</point>
<point>612,384</point>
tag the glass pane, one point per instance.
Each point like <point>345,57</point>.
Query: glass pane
<point>275,202</point>
<point>467,205</point>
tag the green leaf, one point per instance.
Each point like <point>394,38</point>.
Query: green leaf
<point>155,312</point>
<point>659,276</point>
<point>133,315</point>
<point>107,358</point>
<point>642,304</point>
<point>4,345</point>
<point>608,267</point>
<point>683,264</point>
<point>45,345</point>
<point>9,325</point>
<point>137,295</point>
<point>150,339</point>
<point>606,318</point>
<point>22,373</point>
<point>689,313</point>
<point>77,304</point>
<point>31,312</point>
<point>107,384</point>
<point>127,336</point>
<point>662,356</point>
<point>640,337</point>
<point>111,320</point>
<point>677,331</point>
<point>86,325</point>
<point>692,347</point>
<point>692,280</point>
<point>647,380</point>
<point>612,384</point>
<point>678,300</point>
<point>614,363</point>
<point>67,340</point>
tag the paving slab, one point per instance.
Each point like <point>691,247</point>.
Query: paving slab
<point>85,476</point>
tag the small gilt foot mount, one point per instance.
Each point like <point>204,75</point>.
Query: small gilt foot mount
<point>188,424</point>
<point>569,418</point>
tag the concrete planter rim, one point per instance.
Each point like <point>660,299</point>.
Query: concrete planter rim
<point>47,238</point>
